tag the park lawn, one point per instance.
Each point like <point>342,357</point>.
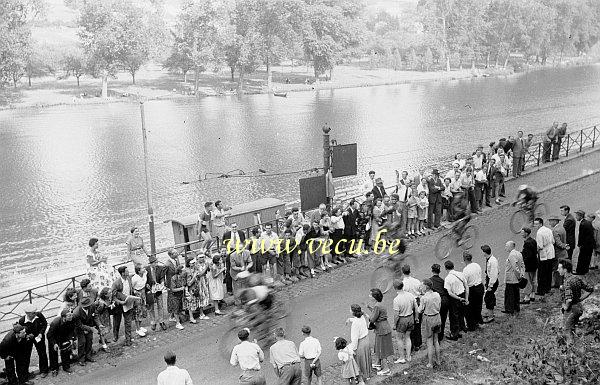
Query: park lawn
<point>510,344</point>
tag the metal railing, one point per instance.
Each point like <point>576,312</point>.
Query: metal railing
<point>48,296</point>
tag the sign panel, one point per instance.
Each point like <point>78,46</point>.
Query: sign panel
<point>343,162</point>
<point>312,192</point>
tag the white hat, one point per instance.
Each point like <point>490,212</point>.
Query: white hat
<point>29,308</point>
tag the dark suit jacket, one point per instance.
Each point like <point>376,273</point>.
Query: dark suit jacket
<point>435,190</point>
<point>60,331</point>
<point>36,327</point>
<point>378,193</point>
<point>560,245</point>
<point>586,235</point>
<point>117,290</point>
<point>350,223</point>
<point>86,322</point>
<point>569,224</point>
<point>530,254</point>
<point>227,238</point>
<point>518,147</point>
<point>159,274</point>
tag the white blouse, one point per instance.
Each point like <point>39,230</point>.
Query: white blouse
<point>358,330</point>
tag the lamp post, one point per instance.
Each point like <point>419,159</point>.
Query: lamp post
<point>148,195</point>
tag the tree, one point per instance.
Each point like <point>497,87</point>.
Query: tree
<point>180,59</point>
<point>75,63</point>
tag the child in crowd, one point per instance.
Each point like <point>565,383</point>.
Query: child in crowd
<point>138,281</point>
<point>310,351</point>
<point>215,281</point>
<point>422,212</point>
<point>350,370</point>
<point>413,202</point>
<point>104,307</point>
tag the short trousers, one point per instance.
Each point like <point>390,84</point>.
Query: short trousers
<point>405,323</point>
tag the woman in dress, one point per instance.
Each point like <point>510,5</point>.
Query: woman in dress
<point>422,208</point>
<point>136,251</point>
<point>104,307</point>
<point>359,340</point>
<point>138,281</point>
<point>196,293</point>
<point>100,273</point>
<point>325,252</point>
<point>337,225</point>
<point>430,304</point>
<point>215,281</point>
<point>377,221</point>
<point>384,347</point>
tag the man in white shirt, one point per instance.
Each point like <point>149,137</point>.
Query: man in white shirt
<point>269,242</point>
<point>369,184</point>
<point>458,291</point>
<point>452,173</point>
<point>413,286</point>
<point>478,157</point>
<point>249,356</point>
<point>172,375</point>
<point>404,191</point>
<point>545,243</point>
<point>218,219</point>
<point>310,351</point>
<point>472,273</point>
<point>491,283</point>
<point>285,360</point>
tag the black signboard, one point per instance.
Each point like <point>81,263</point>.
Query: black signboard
<point>312,192</point>
<point>343,161</point>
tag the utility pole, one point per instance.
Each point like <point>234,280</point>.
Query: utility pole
<point>148,195</point>
<point>326,154</point>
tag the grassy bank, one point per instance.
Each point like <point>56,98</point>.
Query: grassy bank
<point>154,83</point>
<point>527,349</point>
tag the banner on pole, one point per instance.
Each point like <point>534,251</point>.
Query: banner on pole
<point>344,162</point>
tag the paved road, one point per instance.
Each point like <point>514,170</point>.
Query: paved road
<point>324,302</point>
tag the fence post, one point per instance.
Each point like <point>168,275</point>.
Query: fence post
<point>539,154</point>
<point>580,140</point>
<point>29,294</point>
<point>568,141</point>
<point>73,281</point>
<point>594,136</point>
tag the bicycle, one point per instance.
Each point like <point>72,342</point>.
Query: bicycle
<point>383,276</point>
<point>524,216</point>
<point>262,323</point>
<point>464,238</point>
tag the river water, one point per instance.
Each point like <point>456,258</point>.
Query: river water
<point>72,172</point>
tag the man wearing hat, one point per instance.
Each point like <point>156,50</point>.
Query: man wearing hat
<point>586,242</point>
<point>85,320</point>
<point>155,285</point>
<point>561,248</point>
<point>436,186</point>
<point>60,336</point>
<point>35,325</point>
<point>15,352</point>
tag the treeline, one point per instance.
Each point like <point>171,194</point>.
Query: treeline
<point>243,35</point>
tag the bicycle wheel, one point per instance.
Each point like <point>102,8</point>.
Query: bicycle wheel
<point>517,221</point>
<point>541,210</point>
<point>444,246</point>
<point>228,341</point>
<point>382,279</point>
<point>469,237</point>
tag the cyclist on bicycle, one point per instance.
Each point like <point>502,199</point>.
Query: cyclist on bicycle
<point>257,301</point>
<point>462,214</point>
<point>527,198</point>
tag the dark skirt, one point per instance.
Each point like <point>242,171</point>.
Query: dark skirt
<point>174,302</point>
<point>384,346</point>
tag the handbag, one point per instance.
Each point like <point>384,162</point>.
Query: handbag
<point>371,326</point>
<point>522,282</point>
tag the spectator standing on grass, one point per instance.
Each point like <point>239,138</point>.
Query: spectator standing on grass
<point>572,296</point>
<point>61,334</point>
<point>248,355</point>
<point>430,309</point>
<point>585,241</point>
<point>172,375</point>
<point>561,132</point>
<point>491,283</point>
<point>560,248</point>
<point>472,273</point>
<point>458,291</point>
<point>16,354</point>
<point>310,351</point>
<point>569,225</point>
<point>514,270</point>
<point>545,244</point>
<point>384,346</point>
<point>530,260</point>
<point>35,325</point>
<point>285,360</point>
<point>405,312</point>
<point>438,287</point>
<point>413,286</point>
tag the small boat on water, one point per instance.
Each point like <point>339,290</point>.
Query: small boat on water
<point>280,94</point>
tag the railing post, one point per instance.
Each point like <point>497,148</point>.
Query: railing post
<point>539,154</point>
<point>568,141</point>
<point>29,295</point>
<point>73,279</point>
<point>580,140</point>
<point>594,136</point>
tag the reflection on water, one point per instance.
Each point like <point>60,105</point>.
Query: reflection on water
<point>72,172</point>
